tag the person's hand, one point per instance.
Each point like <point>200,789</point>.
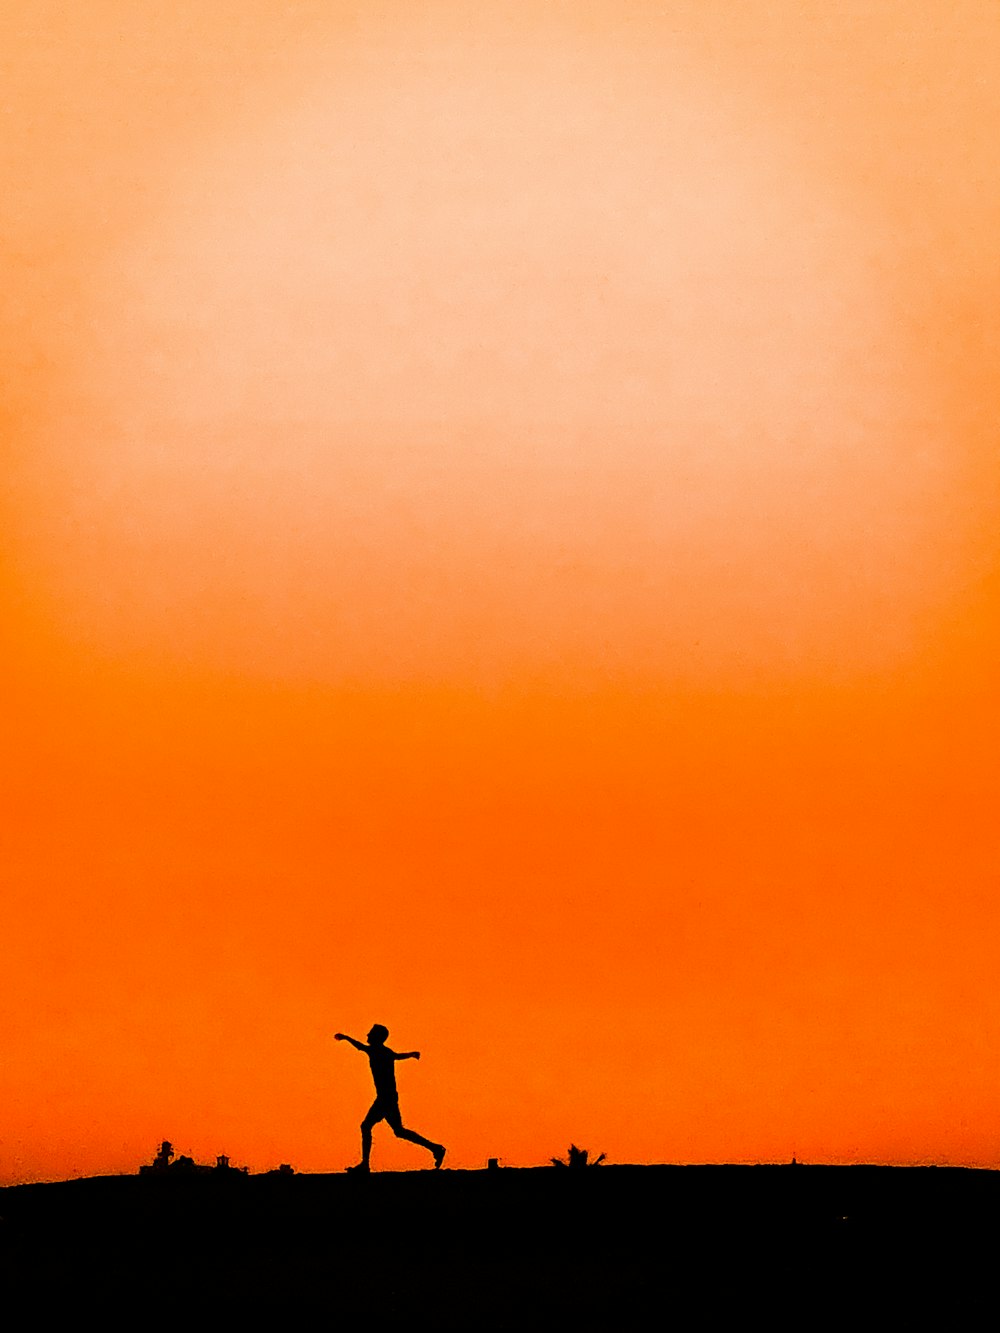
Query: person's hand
<point>339,1036</point>
<point>416,1055</point>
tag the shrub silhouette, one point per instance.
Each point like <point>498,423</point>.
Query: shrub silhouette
<point>577,1157</point>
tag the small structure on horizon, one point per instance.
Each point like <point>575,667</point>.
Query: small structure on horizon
<point>162,1159</point>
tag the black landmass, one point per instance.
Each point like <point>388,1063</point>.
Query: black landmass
<point>617,1247</point>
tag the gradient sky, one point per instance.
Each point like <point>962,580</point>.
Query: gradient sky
<point>500,526</point>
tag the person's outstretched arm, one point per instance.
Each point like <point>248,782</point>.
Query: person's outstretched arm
<point>407,1055</point>
<point>359,1045</point>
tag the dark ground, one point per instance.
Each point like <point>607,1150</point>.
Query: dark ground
<point>613,1247</point>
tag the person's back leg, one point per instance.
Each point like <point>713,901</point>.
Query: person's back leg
<point>395,1123</point>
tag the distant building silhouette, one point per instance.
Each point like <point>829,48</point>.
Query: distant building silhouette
<point>161,1161</point>
<point>164,1162</point>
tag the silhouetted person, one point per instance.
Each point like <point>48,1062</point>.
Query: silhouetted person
<point>386,1103</point>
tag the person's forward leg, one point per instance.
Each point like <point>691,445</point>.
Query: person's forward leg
<point>370,1120</point>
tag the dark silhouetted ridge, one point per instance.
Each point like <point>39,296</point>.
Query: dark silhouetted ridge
<point>619,1247</point>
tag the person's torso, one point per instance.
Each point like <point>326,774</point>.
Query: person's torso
<point>383,1067</point>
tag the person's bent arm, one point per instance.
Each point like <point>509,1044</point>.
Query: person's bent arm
<point>407,1055</point>
<point>358,1045</point>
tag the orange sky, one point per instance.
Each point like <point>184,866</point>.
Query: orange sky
<point>500,538</point>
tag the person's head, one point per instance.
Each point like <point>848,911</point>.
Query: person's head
<point>378,1035</point>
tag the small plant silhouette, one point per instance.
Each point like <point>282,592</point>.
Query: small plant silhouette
<point>577,1157</point>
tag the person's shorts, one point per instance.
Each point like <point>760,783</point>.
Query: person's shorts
<point>387,1109</point>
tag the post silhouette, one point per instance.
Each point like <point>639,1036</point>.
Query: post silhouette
<point>386,1104</point>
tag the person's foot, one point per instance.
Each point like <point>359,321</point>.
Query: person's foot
<point>362,1168</point>
<point>438,1156</point>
